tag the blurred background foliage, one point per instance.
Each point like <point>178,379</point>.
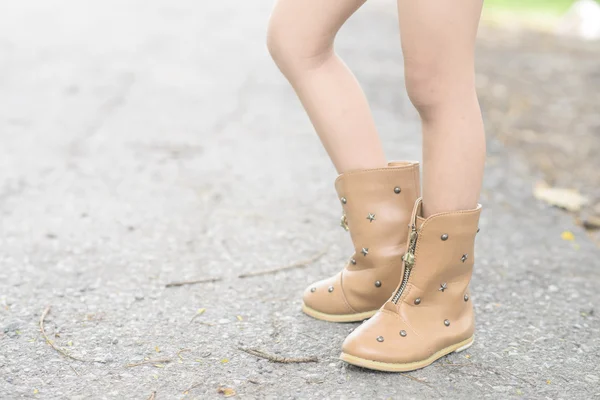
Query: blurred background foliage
<point>538,79</point>
<point>551,7</point>
<point>541,14</point>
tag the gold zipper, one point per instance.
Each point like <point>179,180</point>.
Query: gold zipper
<point>409,262</point>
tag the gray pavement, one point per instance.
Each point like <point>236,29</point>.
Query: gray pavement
<point>146,142</point>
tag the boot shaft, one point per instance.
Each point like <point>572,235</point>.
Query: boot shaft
<point>377,205</point>
<point>442,256</point>
<point>376,210</point>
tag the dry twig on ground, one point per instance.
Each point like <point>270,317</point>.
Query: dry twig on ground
<point>279,359</point>
<point>55,347</point>
<point>299,264</point>
<point>150,361</point>
<point>182,351</point>
<point>414,378</point>
<point>198,313</point>
<point>182,283</point>
<point>442,364</point>
<point>192,386</point>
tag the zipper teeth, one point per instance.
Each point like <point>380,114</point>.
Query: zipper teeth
<point>402,286</point>
<point>407,268</point>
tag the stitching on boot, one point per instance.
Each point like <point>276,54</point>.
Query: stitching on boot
<point>364,171</point>
<point>344,293</point>
<point>416,332</point>
<point>416,182</point>
<point>445,213</point>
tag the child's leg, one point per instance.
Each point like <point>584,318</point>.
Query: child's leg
<point>431,314</point>
<point>300,39</point>
<point>438,40</point>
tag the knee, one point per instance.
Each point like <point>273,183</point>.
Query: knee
<point>275,42</point>
<point>294,50</point>
<point>422,85</point>
<point>432,87</point>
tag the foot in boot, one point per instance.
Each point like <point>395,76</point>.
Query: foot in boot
<point>430,314</point>
<point>376,204</point>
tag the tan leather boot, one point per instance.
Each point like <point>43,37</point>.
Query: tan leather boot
<point>430,314</point>
<point>377,205</point>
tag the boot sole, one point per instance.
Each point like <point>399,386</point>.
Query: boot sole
<point>337,317</point>
<point>394,367</point>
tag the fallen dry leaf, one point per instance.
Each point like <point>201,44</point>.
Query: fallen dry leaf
<point>591,219</point>
<point>569,199</point>
<point>199,312</point>
<point>227,392</point>
<point>567,235</point>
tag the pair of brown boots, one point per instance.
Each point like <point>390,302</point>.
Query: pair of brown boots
<point>413,283</point>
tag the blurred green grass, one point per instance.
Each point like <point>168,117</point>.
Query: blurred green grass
<point>548,7</point>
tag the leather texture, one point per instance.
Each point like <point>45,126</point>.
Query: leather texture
<point>377,204</point>
<point>435,310</point>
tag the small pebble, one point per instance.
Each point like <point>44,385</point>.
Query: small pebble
<point>592,378</point>
<point>11,330</point>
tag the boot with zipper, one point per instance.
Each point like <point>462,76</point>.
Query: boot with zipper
<point>376,205</point>
<point>430,314</point>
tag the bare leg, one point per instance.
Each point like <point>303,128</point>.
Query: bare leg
<point>438,41</point>
<point>300,39</point>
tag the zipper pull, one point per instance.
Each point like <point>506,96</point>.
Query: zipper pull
<point>409,256</point>
<point>409,260</point>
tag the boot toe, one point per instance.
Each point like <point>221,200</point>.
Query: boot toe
<point>385,338</point>
<point>326,296</point>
